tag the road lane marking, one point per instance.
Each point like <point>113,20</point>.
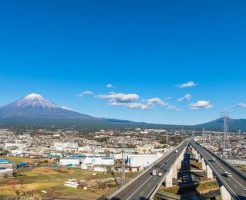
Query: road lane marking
<point>166,161</point>
<point>233,179</point>
<point>219,175</point>
<point>222,168</point>
<point>148,180</point>
<point>139,188</point>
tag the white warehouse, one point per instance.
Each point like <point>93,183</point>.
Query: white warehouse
<point>142,160</point>
<point>70,162</point>
<point>93,160</point>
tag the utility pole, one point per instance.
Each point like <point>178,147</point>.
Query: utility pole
<point>203,135</point>
<point>123,166</point>
<point>194,131</point>
<point>167,140</point>
<point>225,116</point>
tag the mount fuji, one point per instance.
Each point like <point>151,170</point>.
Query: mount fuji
<point>37,111</point>
<point>36,106</point>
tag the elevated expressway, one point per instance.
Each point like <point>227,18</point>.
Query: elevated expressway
<point>146,185</point>
<point>231,187</point>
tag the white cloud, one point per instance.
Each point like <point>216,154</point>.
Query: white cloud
<point>172,107</point>
<point>120,97</point>
<point>156,100</point>
<point>188,84</point>
<point>131,105</point>
<point>186,97</point>
<point>241,105</point>
<point>131,101</point>
<point>141,106</point>
<point>201,105</point>
<point>85,93</point>
<point>109,86</point>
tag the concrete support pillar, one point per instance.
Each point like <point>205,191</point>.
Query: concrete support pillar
<point>203,164</point>
<point>199,158</point>
<point>225,195</point>
<point>175,170</point>
<point>179,162</point>
<point>169,178</point>
<point>193,151</point>
<point>196,155</point>
<point>209,172</point>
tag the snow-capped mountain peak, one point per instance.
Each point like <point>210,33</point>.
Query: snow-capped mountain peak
<point>33,96</point>
<point>34,106</point>
<point>35,100</point>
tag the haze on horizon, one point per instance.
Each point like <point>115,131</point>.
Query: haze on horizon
<point>168,62</point>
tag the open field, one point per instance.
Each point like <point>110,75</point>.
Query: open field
<point>50,180</point>
<point>29,160</point>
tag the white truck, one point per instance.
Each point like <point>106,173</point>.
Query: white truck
<point>154,172</point>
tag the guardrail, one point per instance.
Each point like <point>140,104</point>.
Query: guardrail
<point>243,175</point>
<point>152,194</point>
<point>145,171</point>
<point>126,184</point>
<point>218,175</point>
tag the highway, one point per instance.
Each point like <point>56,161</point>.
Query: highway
<point>145,185</point>
<point>235,184</point>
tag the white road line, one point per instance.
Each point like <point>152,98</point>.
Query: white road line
<point>139,187</point>
<point>234,179</point>
<point>225,170</point>
<point>148,180</point>
<point>221,176</point>
<point>166,161</point>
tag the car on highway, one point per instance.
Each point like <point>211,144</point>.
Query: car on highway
<point>159,174</point>
<point>226,174</point>
<point>212,160</point>
<point>176,151</point>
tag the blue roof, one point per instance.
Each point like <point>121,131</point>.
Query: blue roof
<point>5,161</point>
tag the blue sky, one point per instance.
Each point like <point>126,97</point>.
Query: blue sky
<point>145,49</point>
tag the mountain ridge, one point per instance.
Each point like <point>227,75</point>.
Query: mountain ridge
<point>34,110</point>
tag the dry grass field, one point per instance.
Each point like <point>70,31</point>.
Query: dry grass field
<point>46,181</point>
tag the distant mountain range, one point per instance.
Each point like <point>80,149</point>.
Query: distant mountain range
<point>233,125</point>
<point>36,111</point>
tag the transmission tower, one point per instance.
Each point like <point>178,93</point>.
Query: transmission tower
<point>225,117</point>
